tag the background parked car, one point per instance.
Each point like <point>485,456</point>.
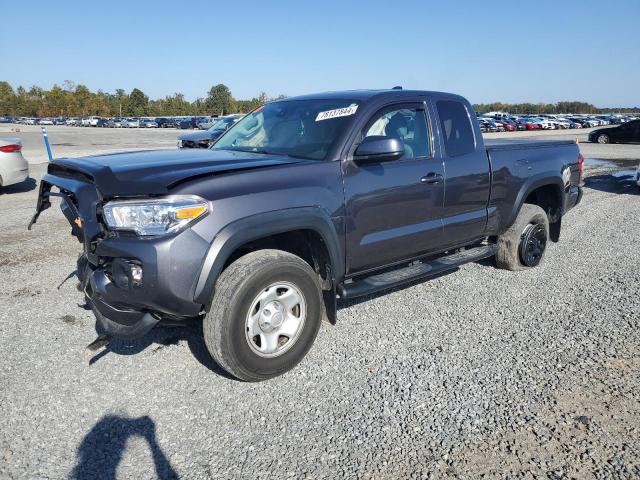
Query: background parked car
<point>89,121</point>
<point>164,122</point>
<point>147,123</point>
<point>203,139</point>
<point>130,123</point>
<point>13,166</point>
<point>187,123</point>
<point>208,123</point>
<point>626,133</point>
<point>591,122</point>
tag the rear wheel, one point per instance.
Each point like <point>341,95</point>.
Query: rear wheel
<point>264,316</point>
<point>524,243</point>
<point>603,138</point>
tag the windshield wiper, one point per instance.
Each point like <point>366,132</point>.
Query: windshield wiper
<point>256,150</point>
<point>265,152</point>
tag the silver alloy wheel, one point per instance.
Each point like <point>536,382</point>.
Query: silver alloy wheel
<point>603,138</point>
<point>275,319</point>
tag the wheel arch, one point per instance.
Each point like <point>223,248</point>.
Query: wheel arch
<point>546,192</point>
<point>307,232</point>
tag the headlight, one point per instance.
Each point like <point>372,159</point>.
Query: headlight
<point>154,216</point>
<point>179,143</point>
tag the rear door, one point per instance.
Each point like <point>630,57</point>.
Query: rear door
<point>394,209</point>
<point>467,174</point>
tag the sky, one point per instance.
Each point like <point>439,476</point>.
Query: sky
<point>523,51</point>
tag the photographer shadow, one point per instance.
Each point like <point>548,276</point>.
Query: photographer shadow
<point>101,450</point>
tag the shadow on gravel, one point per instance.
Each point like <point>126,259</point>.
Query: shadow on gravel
<point>163,337</point>
<point>26,186</point>
<point>101,449</point>
<point>618,182</point>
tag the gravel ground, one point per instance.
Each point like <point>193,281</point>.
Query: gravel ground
<point>482,372</point>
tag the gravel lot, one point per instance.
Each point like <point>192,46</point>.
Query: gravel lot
<point>482,372</point>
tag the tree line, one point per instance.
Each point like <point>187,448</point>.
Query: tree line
<point>71,100</point>
<point>560,107</point>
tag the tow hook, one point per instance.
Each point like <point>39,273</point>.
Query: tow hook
<point>100,342</point>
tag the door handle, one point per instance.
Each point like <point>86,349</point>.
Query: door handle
<point>431,178</point>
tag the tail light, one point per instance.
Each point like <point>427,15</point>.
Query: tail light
<point>15,147</point>
<point>580,166</point>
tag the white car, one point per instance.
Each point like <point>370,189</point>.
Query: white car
<point>13,166</point>
<point>46,121</point>
<point>590,122</point>
<point>89,121</point>
<point>545,124</point>
<point>563,122</point>
<point>131,123</point>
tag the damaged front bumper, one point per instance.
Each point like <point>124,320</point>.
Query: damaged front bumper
<point>113,317</point>
<point>135,283</point>
<point>130,283</point>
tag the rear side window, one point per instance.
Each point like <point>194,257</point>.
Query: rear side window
<point>456,128</point>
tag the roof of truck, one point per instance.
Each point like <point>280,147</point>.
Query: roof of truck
<point>363,95</point>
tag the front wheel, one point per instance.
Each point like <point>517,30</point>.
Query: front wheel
<point>523,245</point>
<point>603,138</point>
<point>264,316</point>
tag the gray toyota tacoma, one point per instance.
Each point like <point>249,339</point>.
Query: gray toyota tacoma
<point>305,200</point>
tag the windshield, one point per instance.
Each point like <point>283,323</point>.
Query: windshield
<point>298,128</point>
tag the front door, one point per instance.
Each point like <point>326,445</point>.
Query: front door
<point>394,209</point>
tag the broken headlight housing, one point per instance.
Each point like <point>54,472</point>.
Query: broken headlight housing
<point>157,216</point>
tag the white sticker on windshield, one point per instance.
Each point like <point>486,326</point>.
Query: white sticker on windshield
<point>338,112</point>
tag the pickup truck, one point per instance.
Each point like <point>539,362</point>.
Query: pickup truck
<point>304,201</point>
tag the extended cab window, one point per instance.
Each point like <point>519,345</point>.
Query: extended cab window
<point>456,128</point>
<point>407,124</point>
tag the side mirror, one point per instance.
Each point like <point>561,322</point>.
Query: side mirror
<point>378,148</point>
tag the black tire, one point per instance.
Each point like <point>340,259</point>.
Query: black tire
<point>603,138</point>
<point>236,289</point>
<point>510,255</point>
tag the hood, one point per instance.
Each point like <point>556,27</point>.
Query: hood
<point>154,172</point>
<point>201,135</point>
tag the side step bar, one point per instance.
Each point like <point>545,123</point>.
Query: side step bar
<point>415,271</point>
